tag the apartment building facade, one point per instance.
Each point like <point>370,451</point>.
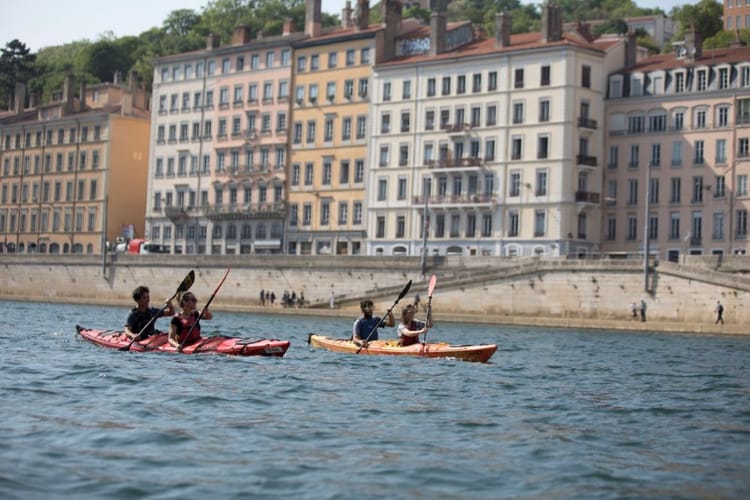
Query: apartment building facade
<point>736,14</point>
<point>678,154</point>
<point>219,151</point>
<point>73,170</point>
<point>329,137</point>
<point>494,147</point>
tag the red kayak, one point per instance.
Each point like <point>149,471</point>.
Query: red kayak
<point>232,346</point>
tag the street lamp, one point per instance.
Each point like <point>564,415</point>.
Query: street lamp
<point>645,228</point>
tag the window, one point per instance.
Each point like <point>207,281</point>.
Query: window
<point>430,87</point>
<point>586,76</point>
<point>698,158</point>
<point>461,84</point>
<point>742,185</point>
<point>541,182</point>
<point>544,110</point>
<point>446,85</point>
<point>675,192</point>
<point>741,223</point>
<point>517,112</point>
<point>386,91</point>
<point>539,223</point>
<point>697,189</point>
<point>545,76</point>
<point>542,149</point>
<point>406,89</point>
<point>492,80</point>
<point>476,82</point>
<point>518,78</point>
<point>515,184</point>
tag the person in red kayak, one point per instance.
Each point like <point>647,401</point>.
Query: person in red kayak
<point>409,329</point>
<point>183,321</point>
<point>366,326</point>
<point>141,315</point>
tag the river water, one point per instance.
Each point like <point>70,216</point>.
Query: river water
<point>555,414</point>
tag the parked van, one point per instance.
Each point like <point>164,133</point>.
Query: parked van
<point>141,246</point>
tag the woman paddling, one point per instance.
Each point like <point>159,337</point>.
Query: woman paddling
<point>409,329</point>
<point>183,322</point>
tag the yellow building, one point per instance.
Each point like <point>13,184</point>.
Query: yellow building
<point>330,129</point>
<point>73,172</point>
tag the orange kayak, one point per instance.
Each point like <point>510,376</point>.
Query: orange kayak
<point>478,352</point>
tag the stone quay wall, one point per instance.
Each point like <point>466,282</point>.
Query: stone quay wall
<point>593,293</point>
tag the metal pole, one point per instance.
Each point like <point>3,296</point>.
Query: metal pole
<point>645,228</point>
<point>425,228</point>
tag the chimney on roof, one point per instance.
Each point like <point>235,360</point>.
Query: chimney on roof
<point>20,98</point>
<point>117,78</point>
<point>312,18</point>
<point>631,49</point>
<point>392,11</point>
<point>693,42</point>
<point>212,41</point>
<point>438,27</point>
<point>362,15</point>
<point>241,35</point>
<point>346,15</point>
<point>82,96</point>
<point>551,23</point>
<point>503,24</point>
<point>288,26</point>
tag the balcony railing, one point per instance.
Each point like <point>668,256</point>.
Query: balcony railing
<point>586,160</point>
<point>464,199</point>
<point>587,197</point>
<point>242,211</point>
<point>472,161</point>
<point>587,123</point>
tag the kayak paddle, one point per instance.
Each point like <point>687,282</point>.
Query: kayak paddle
<point>430,289</point>
<point>400,296</point>
<point>179,348</point>
<point>184,286</point>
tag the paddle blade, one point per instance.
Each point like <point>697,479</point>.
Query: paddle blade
<point>187,282</point>
<point>431,286</point>
<point>404,292</point>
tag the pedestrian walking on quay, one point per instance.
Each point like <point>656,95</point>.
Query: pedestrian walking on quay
<point>643,310</point>
<point>719,310</point>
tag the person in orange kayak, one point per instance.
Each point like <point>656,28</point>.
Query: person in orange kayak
<point>366,326</point>
<point>409,329</point>
<point>183,321</point>
<point>142,317</point>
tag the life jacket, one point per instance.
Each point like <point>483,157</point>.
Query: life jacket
<point>405,340</point>
<point>183,327</point>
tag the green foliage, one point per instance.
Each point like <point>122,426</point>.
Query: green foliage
<point>16,65</point>
<point>704,17</point>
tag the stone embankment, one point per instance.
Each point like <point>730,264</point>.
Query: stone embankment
<point>570,293</point>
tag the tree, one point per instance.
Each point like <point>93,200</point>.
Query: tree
<point>16,65</point>
<point>105,57</point>
<point>180,22</point>
<point>704,17</point>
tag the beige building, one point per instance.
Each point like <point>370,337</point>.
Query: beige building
<point>74,170</point>
<point>679,123</point>
<point>498,141</point>
<point>219,146</point>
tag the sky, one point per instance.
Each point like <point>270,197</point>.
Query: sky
<point>54,22</point>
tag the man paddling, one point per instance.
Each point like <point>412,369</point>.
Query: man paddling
<point>141,315</point>
<point>366,326</point>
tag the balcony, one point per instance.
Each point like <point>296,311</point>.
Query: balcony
<point>587,123</point>
<point>175,213</point>
<point>696,241</point>
<point>459,200</point>
<point>587,197</point>
<point>449,163</point>
<point>585,160</point>
<point>245,211</point>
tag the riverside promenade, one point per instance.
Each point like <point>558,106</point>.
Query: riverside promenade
<point>570,293</point>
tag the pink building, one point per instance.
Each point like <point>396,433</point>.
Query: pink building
<point>680,123</point>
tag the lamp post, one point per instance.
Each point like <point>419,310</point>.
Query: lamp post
<point>426,225</point>
<point>645,228</point>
